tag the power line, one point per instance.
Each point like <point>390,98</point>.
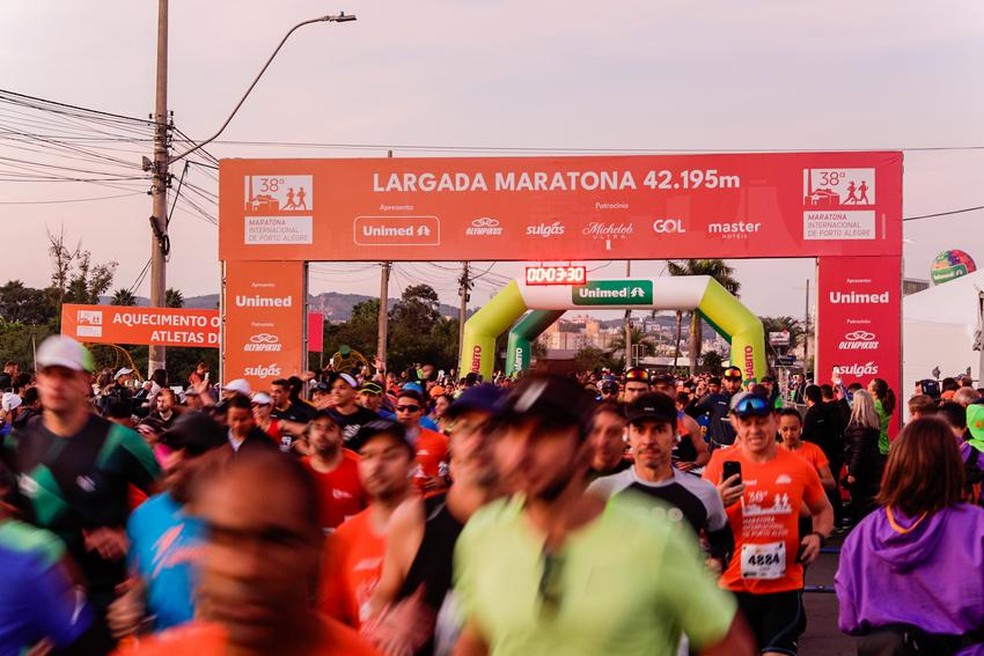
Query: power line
<point>951,212</point>
<point>69,200</point>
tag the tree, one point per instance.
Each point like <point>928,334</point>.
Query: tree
<point>123,297</point>
<point>25,305</point>
<point>711,361</point>
<point>716,269</point>
<point>782,324</point>
<point>639,338</point>
<point>173,298</point>
<point>74,278</point>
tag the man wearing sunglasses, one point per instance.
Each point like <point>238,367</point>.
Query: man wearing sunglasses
<point>717,407</point>
<point>551,570</point>
<point>431,475</point>
<point>763,504</point>
<point>637,383</point>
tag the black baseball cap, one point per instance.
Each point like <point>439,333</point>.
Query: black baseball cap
<point>195,433</point>
<point>480,398</point>
<point>555,402</point>
<point>384,428</point>
<point>664,379</point>
<point>654,406</point>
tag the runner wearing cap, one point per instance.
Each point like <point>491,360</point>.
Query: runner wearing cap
<point>766,573</point>
<point>413,600</point>
<point>431,475</point>
<point>652,422</point>
<point>355,550</point>
<point>335,471</point>
<point>166,535</point>
<point>608,440</point>
<point>717,407</point>
<point>371,396</point>
<point>283,432</point>
<point>551,570</point>
<point>263,550</point>
<point>347,413</point>
<point>237,387</point>
<point>690,452</point>
<point>74,469</point>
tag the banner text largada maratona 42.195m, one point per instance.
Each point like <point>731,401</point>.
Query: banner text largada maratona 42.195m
<point>563,208</point>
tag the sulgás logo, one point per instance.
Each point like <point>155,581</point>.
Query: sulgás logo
<point>546,230</point>
<point>263,343</point>
<point>484,226</point>
<point>262,372</point>
<point>859,340</point>
<point>857,369</point>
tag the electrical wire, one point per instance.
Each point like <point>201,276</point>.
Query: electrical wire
<point>938,214</point>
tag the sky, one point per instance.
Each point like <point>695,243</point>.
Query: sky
<point>462,78</point>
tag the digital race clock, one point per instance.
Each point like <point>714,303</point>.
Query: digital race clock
<point>556,275</point>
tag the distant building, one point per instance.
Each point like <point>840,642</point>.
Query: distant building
<point>912,286</point>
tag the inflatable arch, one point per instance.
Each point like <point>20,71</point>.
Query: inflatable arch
<point>717,306</point>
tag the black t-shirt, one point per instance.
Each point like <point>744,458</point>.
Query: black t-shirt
<point>351,423</point>
<point>297,412</point>
<point>71,485</point>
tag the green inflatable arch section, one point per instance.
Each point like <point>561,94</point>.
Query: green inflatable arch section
<point>721,309</point>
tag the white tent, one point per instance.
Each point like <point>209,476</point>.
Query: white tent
<point>938,327</point>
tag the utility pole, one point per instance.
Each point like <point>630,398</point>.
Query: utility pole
<point>806,331</point>
<point>160,245</point>
<point>384,279</point>
<point>628,322</point>
<point>464,286</point>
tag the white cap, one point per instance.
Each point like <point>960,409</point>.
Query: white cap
<point>349,380</point>
<point>59,351</point>
<point>239,386</point>
<point>123,371</point>
<point>10,401</point>
<point>262,398</point>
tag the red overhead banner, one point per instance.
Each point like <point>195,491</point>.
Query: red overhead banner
<point>562,208</point>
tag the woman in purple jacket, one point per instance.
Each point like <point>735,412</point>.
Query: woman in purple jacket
<point>912,573</point>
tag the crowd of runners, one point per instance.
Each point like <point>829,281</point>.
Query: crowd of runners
<point>375,512</point>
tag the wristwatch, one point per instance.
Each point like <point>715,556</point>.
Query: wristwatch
<point>823,538</point>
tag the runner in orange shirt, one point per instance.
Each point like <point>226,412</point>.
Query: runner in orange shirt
<point>354,557</point>
<point>335,470</point>
<point>763,504</point>
<point>431,475</point>
<point>791,432</point>
<point>264,550</point>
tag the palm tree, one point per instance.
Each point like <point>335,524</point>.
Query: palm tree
<point>638,338</point>
<point>784,324</point>
<point>716,269</point>
<point>173,298</point>
<point>123,297</point>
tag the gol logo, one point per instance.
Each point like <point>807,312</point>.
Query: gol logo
<point>668,226</point>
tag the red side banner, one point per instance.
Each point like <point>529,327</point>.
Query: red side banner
<point>117,324</point>
<point>562,208</point>
<point>859,320</point>
<point>264,311</point>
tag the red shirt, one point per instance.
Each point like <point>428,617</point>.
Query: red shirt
<point>352,568</point>
<point>432,460</point>
<point>342,495</point>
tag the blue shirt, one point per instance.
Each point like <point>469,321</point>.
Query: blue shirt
<point>164,542</point>
<point>37,599</point>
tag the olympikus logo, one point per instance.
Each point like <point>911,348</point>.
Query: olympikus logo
<point>484,226</point>
<point>857,369</point>
<point>859,340</point>
<point>855,298</point>
<point>264,301</point>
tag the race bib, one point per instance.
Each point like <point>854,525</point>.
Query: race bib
<point>763,561</point>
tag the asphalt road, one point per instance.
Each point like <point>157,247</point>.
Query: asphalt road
<point>822,637</point>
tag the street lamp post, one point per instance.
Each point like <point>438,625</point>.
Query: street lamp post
<point>161,164</point>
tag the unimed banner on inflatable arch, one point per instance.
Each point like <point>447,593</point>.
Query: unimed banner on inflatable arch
<point>562,208</point>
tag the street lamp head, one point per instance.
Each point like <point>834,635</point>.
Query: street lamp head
<point>342,17</point>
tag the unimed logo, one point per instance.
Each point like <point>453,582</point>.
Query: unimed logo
<point>854,298</point>
<point>242,300</point>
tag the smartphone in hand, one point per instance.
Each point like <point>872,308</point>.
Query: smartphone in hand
<point>732,467</point>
